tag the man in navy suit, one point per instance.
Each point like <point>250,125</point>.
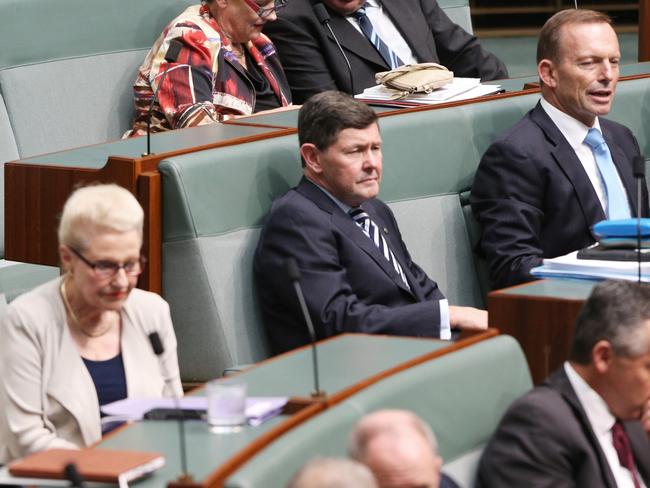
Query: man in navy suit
<point>417,31</point>
<point>588,424</point>
<point>357,274</point>
<point>400,449</point>
<point>539,188</point>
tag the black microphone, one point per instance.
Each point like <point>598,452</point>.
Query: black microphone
<point>639,174</point>
<point>73,476</point>
<point>294,275</point>
<point>323,17</point>
<point>173,52</point>
<point>185,477</point>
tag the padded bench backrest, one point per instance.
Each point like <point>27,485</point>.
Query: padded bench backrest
<point>68,66</point>
<point>462,406</point>
<point>459,12</point>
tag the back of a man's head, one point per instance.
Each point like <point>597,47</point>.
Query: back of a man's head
<point>333,473</point>
<point>549,43</point>
<point>398,447</point>
<point>616,312</point>
<point>324,115</point>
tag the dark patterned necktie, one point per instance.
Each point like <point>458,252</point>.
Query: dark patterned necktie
<point>624,450</point>
<point>371,230</point>
<point>368,30</point>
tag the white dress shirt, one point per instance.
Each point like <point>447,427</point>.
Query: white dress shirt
<point>443,304</point>
<point>601,421</point>
<point>386,31</point>
<point>575,132</point>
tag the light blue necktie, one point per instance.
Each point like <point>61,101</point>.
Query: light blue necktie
<point>368,30</point>
<point>617,204</point>
<point>370,229</point>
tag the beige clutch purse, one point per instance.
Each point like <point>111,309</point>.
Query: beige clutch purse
<point>415,78</point>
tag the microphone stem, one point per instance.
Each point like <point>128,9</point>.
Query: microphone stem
<point>312,333</point>
<point>181,433</point>
<point>327,24</point>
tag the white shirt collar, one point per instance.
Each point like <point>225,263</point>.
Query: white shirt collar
<point>600,418</point>
<point>572,129</point>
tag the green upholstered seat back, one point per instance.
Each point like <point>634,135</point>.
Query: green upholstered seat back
<point>459,12</point>
<point>213,205</point>
<point>462,406</point>
<point>632,108</point>
<point>66,78</point>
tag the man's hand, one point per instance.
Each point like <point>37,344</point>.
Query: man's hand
<point>645,417</point>
<point>470,318</point>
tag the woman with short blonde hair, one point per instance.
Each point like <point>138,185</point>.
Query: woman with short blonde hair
<point>82,340</point>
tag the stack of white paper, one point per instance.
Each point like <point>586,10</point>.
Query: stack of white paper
<point>569,266</point>
<point>458,89</point>
<point>258,409</point>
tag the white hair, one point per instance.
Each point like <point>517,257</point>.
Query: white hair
<point>95,208</point>
<point>323,472</point>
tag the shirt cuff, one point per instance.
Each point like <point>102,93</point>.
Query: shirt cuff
<point>445,328</point>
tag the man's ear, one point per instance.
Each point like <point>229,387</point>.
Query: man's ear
<point>602,355</point>
<point>547,74</point>
<point>311,155</point>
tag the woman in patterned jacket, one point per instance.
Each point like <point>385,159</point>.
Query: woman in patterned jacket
<point>218,64</point>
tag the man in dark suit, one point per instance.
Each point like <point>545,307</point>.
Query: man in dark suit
<point>415,30</point>
<point>539,188</point>
<point>588,424</point>
<point>357,274</point>
<point>400,449</point>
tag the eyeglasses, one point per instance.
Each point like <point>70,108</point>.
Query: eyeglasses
<point>108,269</point>
<point>264,12</point>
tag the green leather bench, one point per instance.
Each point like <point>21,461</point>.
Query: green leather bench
<point>462,396</point>
<point>214,203</point>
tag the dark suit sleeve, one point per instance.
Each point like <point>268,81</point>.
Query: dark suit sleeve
<point>530,449</point>
<point>507,200</point>
<point>332,293</point>
<point>303,60</point>
<point>459,51</point>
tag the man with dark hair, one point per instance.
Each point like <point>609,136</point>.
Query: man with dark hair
<point>357,274</point>
<point>545,182</point>
<point>376,36</point>
<point>588,424</point>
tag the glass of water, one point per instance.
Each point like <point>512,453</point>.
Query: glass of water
<point>226,405</point>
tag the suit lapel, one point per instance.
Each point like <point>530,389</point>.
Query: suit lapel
<point>70,377</point>
<point>570,165</point>
<point>402,17</point>
<point>560,382</point>
<point>353,40</point>
<point>350,228</point>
